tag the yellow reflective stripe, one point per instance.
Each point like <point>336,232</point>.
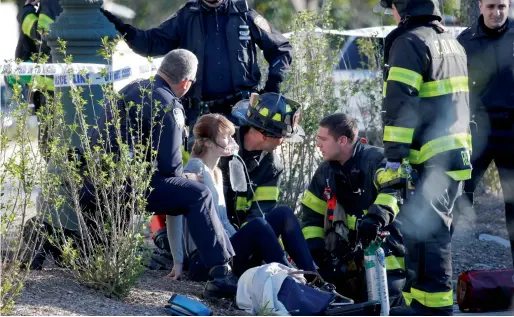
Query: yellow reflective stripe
<point>27,24</point>
<point>244,223</point>
<point>313,202</point>
<point>351,221</point>
<point>384,89</point>
<point>461,175</point>
<point>444,87</point>
<point>377,176</point>
<point>408,298</point>
<point>405,76</point>
<point>266,193</point>
<point>264,112</point>
<point>44,21</point>
<point>434,300</point>
<point>395,263</point>
<point>414,156</point>
<point>277,117</point>
<point>365,211</point>
<point>43,82</point>
<point>281,243</point>
<point>388,200</point>
<point>440,145</point>
<point>313,232</point>
<point>398,134</point>
<point>241,203</point>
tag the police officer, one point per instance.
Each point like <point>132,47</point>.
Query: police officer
<point>339,195</point>
<point>268,121</point>
<point>175,193</point>
<point>426,118</point>
<point>223,34</point>
<point>488,44</point>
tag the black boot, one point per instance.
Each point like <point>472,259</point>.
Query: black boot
<point>320,284</point>
<point>420,311</point>
<point>222,283</point>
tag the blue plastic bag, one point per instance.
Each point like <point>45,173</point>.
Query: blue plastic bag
<point>180,305</point>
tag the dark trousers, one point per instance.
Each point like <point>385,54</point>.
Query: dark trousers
<point>486,149</point>
<point>257,242</point>
<point>180,196</point>
<point>427,218</point>
<point>196,109</point>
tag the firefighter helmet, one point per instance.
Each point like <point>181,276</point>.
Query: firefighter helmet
<point>384,6</point>
<point>273,115</point>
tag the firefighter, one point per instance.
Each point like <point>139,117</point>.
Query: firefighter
<point>35,21</point>
<point>337,198</point>
<point>426,118</point>
<point>31,46</point>
<point>488,44</point>
<point>224,35</point>
<point>268,121</point>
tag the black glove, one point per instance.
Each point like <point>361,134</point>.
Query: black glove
<point>120,26</point>
<point>368,229</point>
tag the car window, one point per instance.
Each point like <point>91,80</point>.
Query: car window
<point>351,58</point>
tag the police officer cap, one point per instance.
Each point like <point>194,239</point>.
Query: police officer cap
<point>384,6</point>
<point>274,115</point>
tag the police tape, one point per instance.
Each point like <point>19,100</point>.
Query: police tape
<point>80,74</point>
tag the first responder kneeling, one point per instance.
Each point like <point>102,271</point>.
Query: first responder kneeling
<point>336,201</point>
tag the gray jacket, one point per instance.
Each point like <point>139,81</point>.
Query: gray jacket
<point>178,233</point>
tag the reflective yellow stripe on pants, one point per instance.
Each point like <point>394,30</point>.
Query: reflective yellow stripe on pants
<point>313,232</point>
<point>433,300</point>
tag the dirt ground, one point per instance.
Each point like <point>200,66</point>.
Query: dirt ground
<point>53,292</point>
<point>468,251</point>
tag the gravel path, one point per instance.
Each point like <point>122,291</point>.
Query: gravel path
<point>469,252</point>
<point>53,292</point>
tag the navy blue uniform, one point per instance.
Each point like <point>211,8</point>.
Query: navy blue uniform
<point>224,41</point>
<point>491,78</point>
<point>173,194</point>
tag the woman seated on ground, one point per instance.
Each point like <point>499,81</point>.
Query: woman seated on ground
<point>255,242</point>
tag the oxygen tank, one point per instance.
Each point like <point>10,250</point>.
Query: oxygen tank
<point>376,275</point>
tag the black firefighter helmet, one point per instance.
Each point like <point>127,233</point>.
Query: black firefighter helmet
<point>384,6</point>
<point>274,115</point>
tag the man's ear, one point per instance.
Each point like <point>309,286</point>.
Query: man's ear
<point>184,83</point>
<point>343,140</point>
<point>254,97</point>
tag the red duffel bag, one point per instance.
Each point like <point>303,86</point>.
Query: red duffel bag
<point>479,291</point>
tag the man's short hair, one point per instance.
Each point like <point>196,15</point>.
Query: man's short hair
<point>340,124</point>
<point>179,65</point>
